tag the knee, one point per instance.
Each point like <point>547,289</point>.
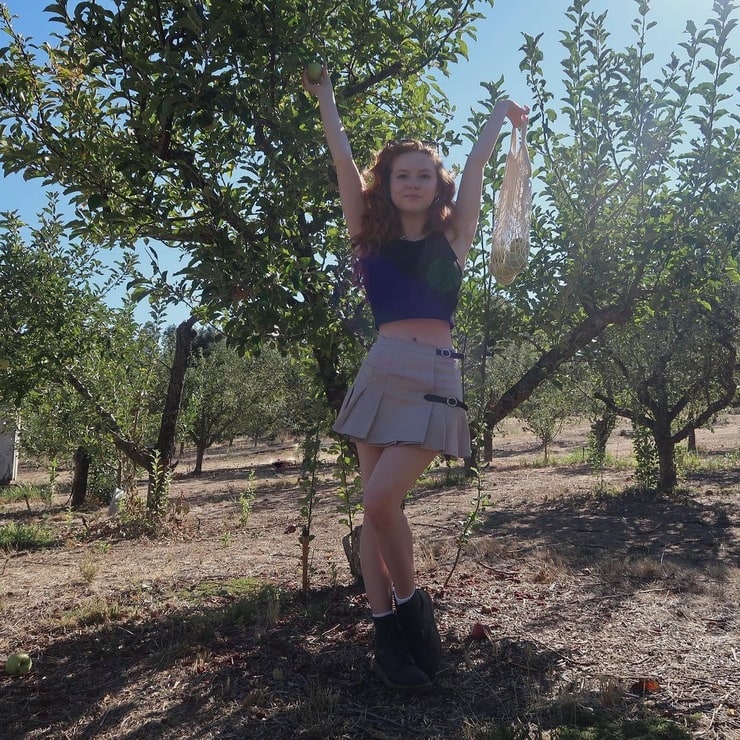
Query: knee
<point>382,511</point>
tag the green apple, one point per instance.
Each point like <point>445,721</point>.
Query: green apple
<point>18,664</point>
<point>315,72</point>
<point>4,363</point>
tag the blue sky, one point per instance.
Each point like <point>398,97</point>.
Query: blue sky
<point>495,53</point>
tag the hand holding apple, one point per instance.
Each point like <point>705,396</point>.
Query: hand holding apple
<point>316,80</point>
<point>315,72</point>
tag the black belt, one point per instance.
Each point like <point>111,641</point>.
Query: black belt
<point>449,400</point>
<point>450,353</point>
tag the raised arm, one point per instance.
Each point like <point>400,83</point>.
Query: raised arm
<point>470,191</point>
<point>348,176</point>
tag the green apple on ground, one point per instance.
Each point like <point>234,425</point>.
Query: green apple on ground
<point>315,72</point>
<point>4,363</point>
<point>18,664</point>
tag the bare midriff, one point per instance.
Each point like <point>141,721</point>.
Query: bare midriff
<point>425,331</point>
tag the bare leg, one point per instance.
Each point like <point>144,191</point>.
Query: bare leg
<point>386,546</point>
<point>377,579</point>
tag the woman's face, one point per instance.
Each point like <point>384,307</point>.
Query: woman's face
<point>413,182</point>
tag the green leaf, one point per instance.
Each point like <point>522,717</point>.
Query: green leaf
<point>96,201</point>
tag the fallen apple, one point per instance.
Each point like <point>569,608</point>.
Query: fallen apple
<point>315,72</point>
<point>18,664</point>
<point>4,363</point>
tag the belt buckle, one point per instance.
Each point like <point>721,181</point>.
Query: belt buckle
<point>451,401</point>
<point>445,352</point>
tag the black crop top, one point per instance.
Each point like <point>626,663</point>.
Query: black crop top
<point>412,280</point>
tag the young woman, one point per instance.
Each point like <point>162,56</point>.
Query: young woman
<point>405,407</point>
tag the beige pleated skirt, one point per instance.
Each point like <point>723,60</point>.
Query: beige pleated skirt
<point>407,393</point>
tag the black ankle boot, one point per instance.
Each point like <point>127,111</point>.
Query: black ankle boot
<point>416,618</point>
<point>393,663</point>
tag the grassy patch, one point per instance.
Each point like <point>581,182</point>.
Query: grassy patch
<point>697,463</point>
<point>633,568</point>
<point>549,565</point>
<point>235,587</point>
<point>587,725</point>
<point>89,570</point>
<point>441,477</point>
<point>318,706</point>
<point>603,725</point>
<point>25,536</point>
<point>242,601</point>
<point>578,457</point>
<point>24,492</point>
<point>94,612</point>
<point>239,602</point>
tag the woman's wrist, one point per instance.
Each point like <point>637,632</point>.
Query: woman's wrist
<point>510,109</point>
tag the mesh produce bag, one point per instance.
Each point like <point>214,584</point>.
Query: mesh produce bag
<point>510,243</point>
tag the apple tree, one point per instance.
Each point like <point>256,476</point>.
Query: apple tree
<point>671,372</point>
<point>48,300</point>
<point>59,332</point>
<point>214,400</point>
<point>637,179</point>
<point>184,123</point>
<point>121,377</point>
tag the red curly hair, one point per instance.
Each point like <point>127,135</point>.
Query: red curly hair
<point>380,221</point>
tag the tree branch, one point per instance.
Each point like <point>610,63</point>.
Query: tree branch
<point>135,453</point>
<point>551,360</point>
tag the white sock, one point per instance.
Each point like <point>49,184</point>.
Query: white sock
<point>380,616</point>
<point>404,600</point>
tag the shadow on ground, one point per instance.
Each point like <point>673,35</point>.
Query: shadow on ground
<point>692,532</point>
<point>229,671</point>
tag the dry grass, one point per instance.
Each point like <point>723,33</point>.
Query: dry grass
<point>89,569</point>
<point>608,613</point>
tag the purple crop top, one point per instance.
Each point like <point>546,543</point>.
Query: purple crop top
<point>412,280</point>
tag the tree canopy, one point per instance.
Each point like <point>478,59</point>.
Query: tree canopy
<point>183,125</point>
<point>638,170</point>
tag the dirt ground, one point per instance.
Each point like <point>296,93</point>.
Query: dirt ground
<point>604,608</point>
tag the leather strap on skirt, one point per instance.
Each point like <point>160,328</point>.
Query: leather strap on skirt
<point>449,400</point>
<point>450,353</point>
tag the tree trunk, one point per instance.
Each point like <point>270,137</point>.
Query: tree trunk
<point>487,445</point>
<point>470,464</point>
<point>200,451</point>
<point>665,448</point>
<point>333,382</point>
<point>601,430</point>
<point>351,545</point>
<point>692,440</point>
<point>168,427</point>
<point>82,460</point>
